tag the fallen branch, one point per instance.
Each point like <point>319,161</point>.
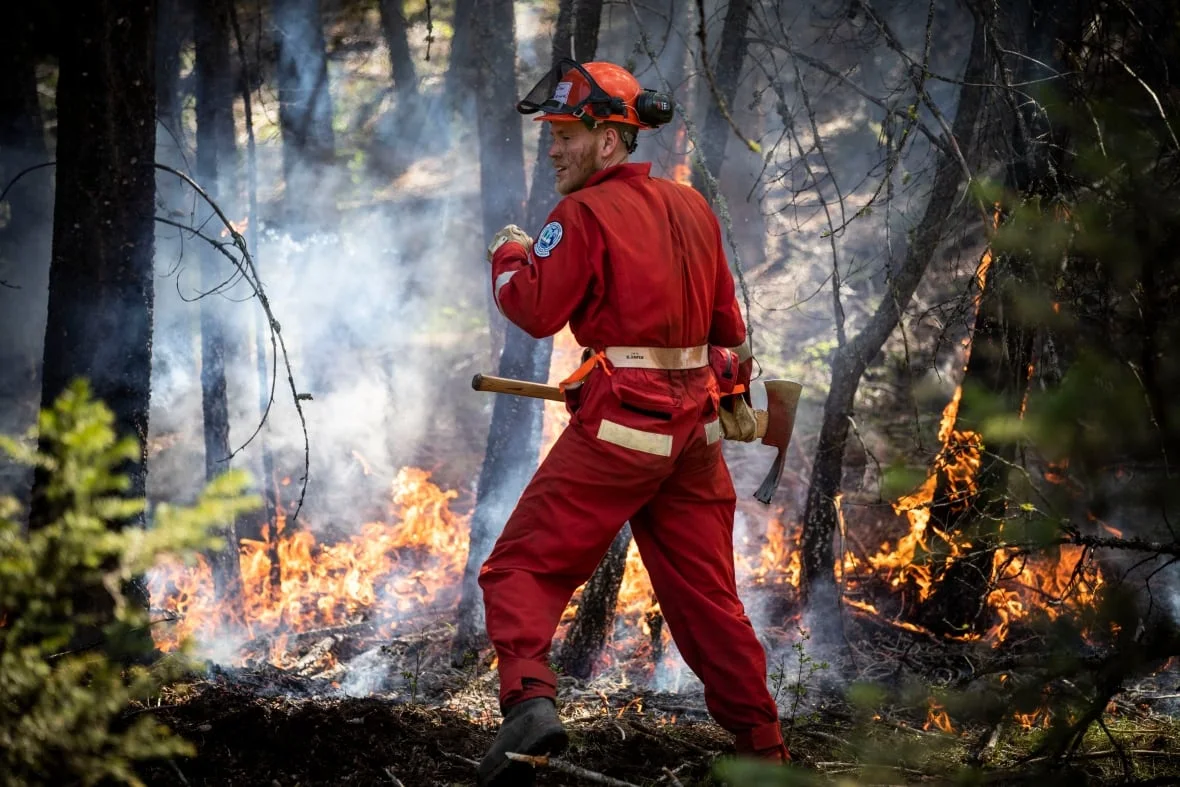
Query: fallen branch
<point>565,767</point>
<point>672,777</point>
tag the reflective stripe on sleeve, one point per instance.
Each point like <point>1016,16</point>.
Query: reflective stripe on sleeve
<point>501,280</point>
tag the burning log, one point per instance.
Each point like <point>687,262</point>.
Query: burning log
<point>596,613</point>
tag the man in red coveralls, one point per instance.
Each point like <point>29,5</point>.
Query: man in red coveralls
<point>635,265</point>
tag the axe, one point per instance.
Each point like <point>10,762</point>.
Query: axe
<point>774,424</point>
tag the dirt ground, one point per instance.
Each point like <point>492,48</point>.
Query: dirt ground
<point>425,724</point>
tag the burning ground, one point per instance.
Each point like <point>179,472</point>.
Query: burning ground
<point>334,666</point>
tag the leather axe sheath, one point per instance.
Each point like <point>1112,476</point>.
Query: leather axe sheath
<point>775,423</point>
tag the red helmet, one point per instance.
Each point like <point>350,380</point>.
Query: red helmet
<point>592,92</point>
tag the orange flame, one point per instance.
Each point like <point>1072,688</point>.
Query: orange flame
<point>388,568</point>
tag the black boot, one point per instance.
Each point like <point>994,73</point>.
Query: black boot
<point>530,727</point>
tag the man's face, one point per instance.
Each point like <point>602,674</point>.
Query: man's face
<point>576,155</point>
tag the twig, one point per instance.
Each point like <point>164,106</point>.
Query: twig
<point>265,399</point>
<point>392,777</point>
<point>460,758</point>
<point>276,337</point>
<point>565,767</point>
<point>672,777</point>
<point>22,173</point>
<point>179,773</point>
<point>711,79</point>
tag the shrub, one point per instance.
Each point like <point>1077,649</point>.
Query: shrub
<point>63,708</point>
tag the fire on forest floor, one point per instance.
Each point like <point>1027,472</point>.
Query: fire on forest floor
<point>416,720</point>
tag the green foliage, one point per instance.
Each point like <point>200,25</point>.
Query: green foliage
<point>64,702</point>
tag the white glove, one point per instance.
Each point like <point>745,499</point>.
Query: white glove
<point>511,233</point>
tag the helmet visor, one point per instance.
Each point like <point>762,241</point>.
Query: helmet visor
<point>551,95</point>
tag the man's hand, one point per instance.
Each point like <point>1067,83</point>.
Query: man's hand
<point>737,419</point>
<point>510,233</point>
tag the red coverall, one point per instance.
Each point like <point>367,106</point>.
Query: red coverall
<point>638,262</point>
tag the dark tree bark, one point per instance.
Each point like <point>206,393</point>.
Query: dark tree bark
<point>587,21</point>
<point>596,612</point>
<point>726,73</point>
<point>305,104</point>
<point>216,162</point>
<point>514,436</point>
<point>461,69</point>
<point>169,40</point>
<point>851,360</point>
<point>100,283</point>
<point>25,231</point>
<point>997,375</point>
<point>401,61</point>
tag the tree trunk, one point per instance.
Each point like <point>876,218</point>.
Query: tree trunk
<point>514,435</point>
<point>997,374</point>
<point>401,61</point>
<point>596,613</point>
<point>305,107</point>
<point>587,21</point>
<point>543,192</point>
<point>99,322</point>
<point>216,161</point>
<point>726,73</point>
<point>25,217</point>
<point>461,70</point>
<point>850,361</point>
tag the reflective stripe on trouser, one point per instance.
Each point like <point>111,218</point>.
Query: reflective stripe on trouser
<point>681,509</point>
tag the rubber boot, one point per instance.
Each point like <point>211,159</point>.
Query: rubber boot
<point>530,727</point>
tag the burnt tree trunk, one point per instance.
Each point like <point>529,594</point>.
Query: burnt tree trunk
<point>99,323</point>
<point>726,73</point>
<point>596,612</point>
<point>216,162</point>
<point>851,360</point>
<point>461,69</point>
<point>543,192</point>
<point>305,107</point>
<point>587,21</point>
<point>25,232</point>
<point>514,435</point>
<point>401,60</point>
<point>1002,346</point>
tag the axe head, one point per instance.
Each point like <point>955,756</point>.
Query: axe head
<point>782,400</point>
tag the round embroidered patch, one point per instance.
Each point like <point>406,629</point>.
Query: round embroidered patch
<point>549,237</point>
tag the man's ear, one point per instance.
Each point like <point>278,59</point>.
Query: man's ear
<point>609,141</point>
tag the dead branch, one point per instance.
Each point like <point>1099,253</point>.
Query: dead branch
<point>671,777</point>
<point>565,767</point>
<point>246,266</point>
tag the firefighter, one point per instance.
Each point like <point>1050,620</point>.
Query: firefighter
<point>636,266</point>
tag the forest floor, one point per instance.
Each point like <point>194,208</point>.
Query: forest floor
<point>427,724</point>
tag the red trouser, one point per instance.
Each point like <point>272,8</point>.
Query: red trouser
<point>598,476</point>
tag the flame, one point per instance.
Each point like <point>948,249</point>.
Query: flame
<point>387,569</point>
<point>238,227</point>
<point>293,583</point>
<point>681,170</point>
<point>937,717</point>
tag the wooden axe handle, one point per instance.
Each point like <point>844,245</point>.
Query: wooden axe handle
<point>486,382</point>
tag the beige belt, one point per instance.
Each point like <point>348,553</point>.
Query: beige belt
<point>658,357</point>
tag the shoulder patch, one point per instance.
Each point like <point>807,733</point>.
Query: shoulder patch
<point>548,238</point>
